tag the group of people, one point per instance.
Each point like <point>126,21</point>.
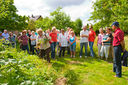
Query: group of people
<point>42,43</point>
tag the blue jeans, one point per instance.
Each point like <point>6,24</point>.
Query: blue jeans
<point>117,61</point>
<point>81,48</point>
<point>91,49</point>
<point>53,47</point>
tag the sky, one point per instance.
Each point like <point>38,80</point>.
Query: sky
<point>74,8</point>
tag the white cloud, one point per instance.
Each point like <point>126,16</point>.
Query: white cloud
<point>74,8</point>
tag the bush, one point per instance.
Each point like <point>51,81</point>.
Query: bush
<point>22,68</point>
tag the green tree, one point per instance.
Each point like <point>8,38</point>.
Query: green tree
<point>44,23</point>
<point>59,19</point>
<point>106,12</point>
<point>78,26</point>
<point>9,19</point>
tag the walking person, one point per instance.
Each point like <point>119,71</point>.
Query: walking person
<point>53,41</point>
<point>106,42</point>
<point>63,42</point>
<point>43,44</point>
<point>99,40</point>
<point>119,46</point>
<point>33,41</point>
<point>92,36</point>
<point>84,34</point>
<point>72,41</point>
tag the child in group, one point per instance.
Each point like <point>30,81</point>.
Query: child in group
<point>72,41</point>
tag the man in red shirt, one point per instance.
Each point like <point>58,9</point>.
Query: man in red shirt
<point>119,46</point>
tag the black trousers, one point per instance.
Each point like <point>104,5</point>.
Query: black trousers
<point>45,52</point>
<point>62,50</point>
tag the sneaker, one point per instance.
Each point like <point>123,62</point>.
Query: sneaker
<point>80,56</point>
<point>86,56</point>
<point>74,56</point>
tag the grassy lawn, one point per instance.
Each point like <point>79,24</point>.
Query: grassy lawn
<point>89,71</point>
<point>24,68</point>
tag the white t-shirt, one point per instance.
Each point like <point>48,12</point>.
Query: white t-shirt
<point>84,39</point>
<point>63,39</point>
<point>33,42</point>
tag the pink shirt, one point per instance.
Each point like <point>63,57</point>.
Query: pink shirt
<point>100,37</point>
<point>118,37</point>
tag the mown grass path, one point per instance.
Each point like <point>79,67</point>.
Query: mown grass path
<point>89,71</point>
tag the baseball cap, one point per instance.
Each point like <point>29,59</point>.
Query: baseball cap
<point>116,24</point>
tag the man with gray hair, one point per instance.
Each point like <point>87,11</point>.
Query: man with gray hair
<point>5,35</point>
<point>84,40</point>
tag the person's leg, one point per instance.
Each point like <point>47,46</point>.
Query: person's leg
<point>102,52</point>
<point>99,48</point>
<point>60,52</point>
<point>71,49</point>
<point>81,49</point>
<point>74,49</point>
<point>27,49</point>
<point>118,68</point>
<point>106,51</point>
<point>41,53</point>
<point>47,54</point>
<point>32,49</point>
<point>68,49</point>
<point>64,51</point>
<point>86,48</point>
<point>52,49</point>
<point>91,49</point>
<point>57,45</point>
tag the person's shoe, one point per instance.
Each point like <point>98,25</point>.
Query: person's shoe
<point>86,56</point>
<point>80,56</point>
<point>73,56</point>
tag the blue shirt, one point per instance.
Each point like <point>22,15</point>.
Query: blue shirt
<point>6,36</point>
<point>72,39</point>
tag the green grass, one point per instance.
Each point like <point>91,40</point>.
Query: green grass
<point>77,71</point>
<point>89,71</point>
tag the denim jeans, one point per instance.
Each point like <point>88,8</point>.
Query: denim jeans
<point>53,47</point>
<point>91,49</point>
<point>117,61</point>
<point>33,49</point>
<point>81,48</point>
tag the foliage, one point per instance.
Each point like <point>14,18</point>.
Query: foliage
<point>59,19</point>
<point>106,12</point>
<point>44,23</point>
<point>78,26</point>
<point>24,69</point>
<point>31,25</point>
<point>9,19</point>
